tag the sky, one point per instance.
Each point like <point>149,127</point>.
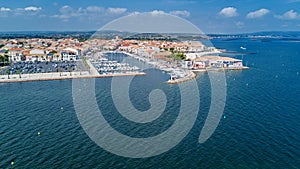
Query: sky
<point>210,16</point>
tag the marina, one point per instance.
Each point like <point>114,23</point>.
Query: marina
<point>104,66</point>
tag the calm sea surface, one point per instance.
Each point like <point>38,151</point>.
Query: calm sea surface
<point>261,128</point>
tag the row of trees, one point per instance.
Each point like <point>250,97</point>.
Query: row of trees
<point>178,56</point>
<point>4,60</point>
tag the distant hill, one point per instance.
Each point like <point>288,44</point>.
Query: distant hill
<point>282,34</point>
<point>84,35</point>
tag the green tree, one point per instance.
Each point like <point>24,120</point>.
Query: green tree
<point>79,71</point>
<point>2,60</point>
<point>59,70</point>
<point>172,49</point>
<point>19,72</point>
<point>7,72</point>
<point>70,70</point>
<point>6,59</point>
<point>53,51</point>
<point>181,56</point>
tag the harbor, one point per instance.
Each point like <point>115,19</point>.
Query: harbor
<point>98,58</point>
<point>65,75</point>
<point>180,74</point>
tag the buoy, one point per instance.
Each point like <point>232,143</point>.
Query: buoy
<point>247,84</point>
<point>12,163</point>
<point>39,133</point>
<point>224,117</point>
<point>61,108</point>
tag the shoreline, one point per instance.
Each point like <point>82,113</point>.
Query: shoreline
<point>194,74</point>
<point>189,74</point>
<point>92,73</point>
<point>181,74</point>
<point>57,76</point>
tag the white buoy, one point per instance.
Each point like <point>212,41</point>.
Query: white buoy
<point>39,133</point>
<point>224,117</point>
<point>12,163</point>
<point>61,108</point>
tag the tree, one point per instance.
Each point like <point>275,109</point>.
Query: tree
<point>19,72</point>
<point>53,51</point>
<point>6,59</point>
<point>79,71</point>
<point>172,49</point>
<point>2,60</point>
<point>59,70</point>
<point>7,72</point>
<point>181,56</point>
<point>70,70</point>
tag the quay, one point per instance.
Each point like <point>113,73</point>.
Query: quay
<point>192,74</point>
<point>62,76</point>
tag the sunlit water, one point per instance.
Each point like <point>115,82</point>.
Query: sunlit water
<point>261,128</point>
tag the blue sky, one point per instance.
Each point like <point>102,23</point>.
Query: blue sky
<point>211,16</point>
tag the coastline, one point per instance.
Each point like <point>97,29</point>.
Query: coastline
<point>194,75</point>
<point>184,74</point>
<point>63,76</point>
<point>181,75</point>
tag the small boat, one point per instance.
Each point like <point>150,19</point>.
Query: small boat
<point>243,48</point>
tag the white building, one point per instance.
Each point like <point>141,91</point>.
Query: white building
<point>70,54</point>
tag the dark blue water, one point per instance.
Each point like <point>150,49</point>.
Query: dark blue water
<point>261,128</point>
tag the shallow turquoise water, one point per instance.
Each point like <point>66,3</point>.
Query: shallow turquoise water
<point>261,128</point>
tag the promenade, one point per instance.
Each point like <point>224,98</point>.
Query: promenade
<point>93,73</point>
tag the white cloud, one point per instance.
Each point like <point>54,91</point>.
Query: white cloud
<point>181,13</point>
<point>117,10</point>
<point>95,9</point>
<point>91,12</point>
<point>229,12</point>
<point>157,12</point>
<point>66,12</point>
<point>66,9</point>
<point>134,13</point>
<point>239,24</point>
<point>3,9</point>
<point>32,8</point>
<point>177,13</point>
<point>289,15</point>
<point>257,14</point>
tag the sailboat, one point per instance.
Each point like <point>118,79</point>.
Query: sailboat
<point>243,48</point>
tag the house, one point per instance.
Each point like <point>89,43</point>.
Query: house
<point>70,54</point>
<point>216,62</point>
<point>187,64</point>
<point>37,55</point>
<point>15,54</point>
